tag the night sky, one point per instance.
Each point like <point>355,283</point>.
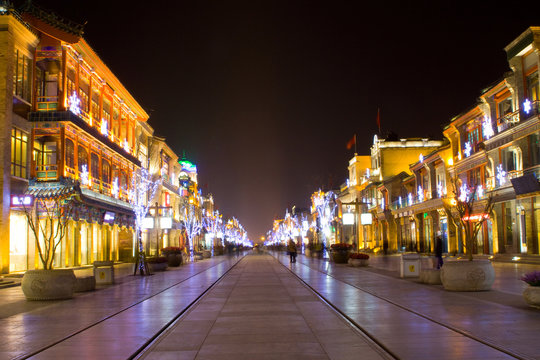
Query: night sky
<point>264,95</point>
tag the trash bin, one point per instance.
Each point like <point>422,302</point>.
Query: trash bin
<point>410,265</point>
<point>104,272</point>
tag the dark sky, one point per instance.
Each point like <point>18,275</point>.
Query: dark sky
<point>264,95</point>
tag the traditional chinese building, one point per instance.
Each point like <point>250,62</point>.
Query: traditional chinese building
<point>77,127</point>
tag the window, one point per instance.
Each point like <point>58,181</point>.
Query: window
<point>94,162</point>
<point>82,158</point>
<point>504,107</point>
<point>122,182</point>
<point>532,86</point>
<point>45,152</point>
<point>22,77</point>
<point>83,95</point>
<point>473,137</point>
<point>70,154</point>
<point>105,171</point>
<point>19,146</point>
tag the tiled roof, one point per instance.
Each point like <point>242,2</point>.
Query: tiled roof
<point>50,190</point>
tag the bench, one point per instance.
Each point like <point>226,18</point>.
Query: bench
<point>104,272</point>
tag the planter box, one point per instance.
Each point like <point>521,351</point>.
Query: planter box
<point>465,275</point>
<point>340,257</point>
<point>358,262</point>
<point>158,266</point>
<point>48,284</point>
<point>531,294</point>
<point>430,276</point>
<point>174,260</point>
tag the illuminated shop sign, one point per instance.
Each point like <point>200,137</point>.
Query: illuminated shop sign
<point>348,219</point>
<point>21,200</point>
<point>366,219</point>
<point>108,217</point>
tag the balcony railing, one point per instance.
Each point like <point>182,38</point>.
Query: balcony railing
<point>47,103</point>
<point>47,172</point>
<point>511,119</point>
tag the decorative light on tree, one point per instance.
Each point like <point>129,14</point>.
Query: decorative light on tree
<point>192,225</point>
<point>527,106</point>
<point>324,203</point>
<point>468,149</point>
<point>213,223</point>
<point>487,128</point>
<point>74,104</point>
<point>501,175</point>
<point>143,188</point>
<point>83,175</point>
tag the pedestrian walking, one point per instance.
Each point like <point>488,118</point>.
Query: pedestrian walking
<point>291,249</point>
<point>439,251</point>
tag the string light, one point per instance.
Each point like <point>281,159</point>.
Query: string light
<point>74,104</point>
<point>487,128</point>
<point>468,149</point>
<point>83,175</point>
<point>501,175</point>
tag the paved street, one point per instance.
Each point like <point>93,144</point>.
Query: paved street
<point>260,309</point>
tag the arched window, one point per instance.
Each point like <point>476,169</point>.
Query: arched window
<point>94,162</point>
<point>105,171</point>
<point>82,158</point>
<point>70,154</point>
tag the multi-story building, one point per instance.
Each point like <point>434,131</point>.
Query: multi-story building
<point>375,188</point>
<point>492,151</point>
<point>73,127</point>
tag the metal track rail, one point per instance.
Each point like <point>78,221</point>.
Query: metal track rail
<point>110,316</point>
<point>361,329</point>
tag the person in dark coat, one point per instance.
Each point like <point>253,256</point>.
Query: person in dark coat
<point>439,251</point>
<point>291,249</point>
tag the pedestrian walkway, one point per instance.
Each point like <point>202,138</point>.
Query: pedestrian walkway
<point>416,321</point>
<point>110,323</point>
<point>262,307</point>
<point>262,311</point>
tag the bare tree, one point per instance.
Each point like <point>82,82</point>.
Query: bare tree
<point>143,189</point>
<point>462,209</point>
<point>48,221</point>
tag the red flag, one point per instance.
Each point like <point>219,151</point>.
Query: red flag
<point>351,142</point>
<point>379,119</point>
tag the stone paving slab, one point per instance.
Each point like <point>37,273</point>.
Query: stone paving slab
<point>515,328</point>
<point>37,324</point>
<point>261,311</point>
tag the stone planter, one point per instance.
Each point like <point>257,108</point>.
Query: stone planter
<point>465,275</point>
<point>174,260</point>
<point>206,254</point>
<point>48,284</point>
<point>430,276</point>
<point>158,266</point>
<point>340,257</point>
<point>532,296</point>
<point>307,252</point>
<point>358,262</point>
